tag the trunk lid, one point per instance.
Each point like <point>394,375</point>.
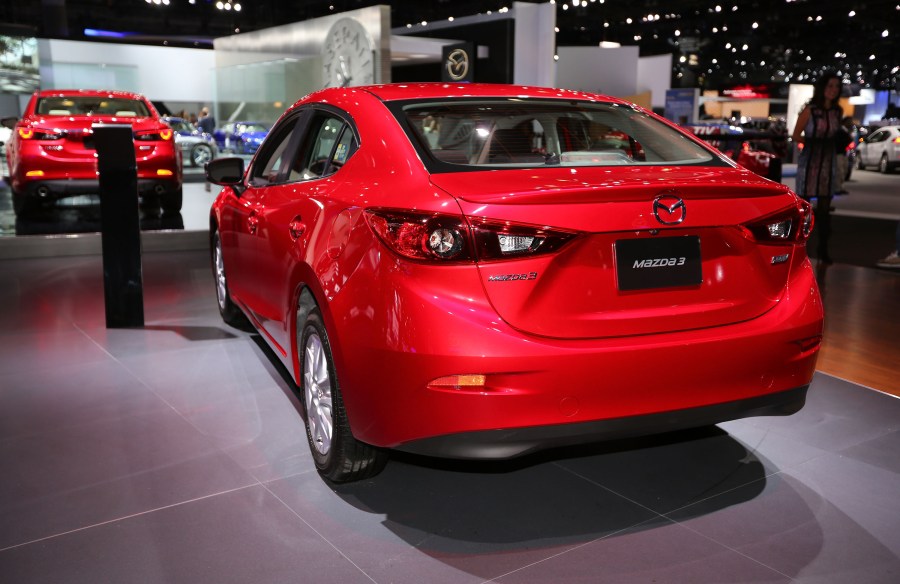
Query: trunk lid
<point>621,274</point>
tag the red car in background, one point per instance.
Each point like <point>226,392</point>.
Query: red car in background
<point>52,156</point>
<point>760,151</point>
<point>483,271</point>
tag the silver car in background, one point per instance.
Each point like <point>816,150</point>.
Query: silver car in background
<point>880,149</point>
<point>197,147</point>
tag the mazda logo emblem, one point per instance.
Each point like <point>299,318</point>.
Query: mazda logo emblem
<point>458,64</point>
<point>669,209</point>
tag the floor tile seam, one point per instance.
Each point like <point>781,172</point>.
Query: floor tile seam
<point>316,531</point>
<point>734,550</point>
<point>786,434</point>
<point>766,477</point>
<point>168,404</point>
<point>607,489</point>
<point>756,453</point>
<point>225,452</point>
<point>668,514</point>
<point>134,375</point>
<point>579,546</point>
<point>263,481</point>
<point>131,516</point>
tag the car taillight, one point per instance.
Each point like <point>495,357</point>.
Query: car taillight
<point>791,225</point>
<point>442,237</point>
<point>896,140</point>
<point>421,236</point>
<point>32,134</point>
<point>154,135</point>
<point>498,241</point>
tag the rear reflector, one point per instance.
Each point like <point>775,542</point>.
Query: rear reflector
<point>457,382</point>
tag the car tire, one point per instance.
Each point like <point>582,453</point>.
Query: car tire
<point>200,154</point>
<point>338,456</point>
<point>859,162</point>
<point>883,166</point>
<point>230,312</point>
<point>171,203</point>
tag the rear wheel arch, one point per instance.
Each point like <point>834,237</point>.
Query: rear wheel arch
<point>338,456</point>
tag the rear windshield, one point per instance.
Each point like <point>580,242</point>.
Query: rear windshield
<point>472,134</point>
<point>91,106</point>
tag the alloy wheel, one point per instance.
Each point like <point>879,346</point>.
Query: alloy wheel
<point>201,154</point>
<point>317,392</point>
<point>221,284</point>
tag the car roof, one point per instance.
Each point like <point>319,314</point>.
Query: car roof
<point>403,91</point>
<point>89,93</point>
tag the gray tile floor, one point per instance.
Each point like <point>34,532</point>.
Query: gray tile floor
<point>176,453</point>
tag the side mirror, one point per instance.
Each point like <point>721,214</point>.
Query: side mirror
<point>9,123</point>
<point>226,172</point>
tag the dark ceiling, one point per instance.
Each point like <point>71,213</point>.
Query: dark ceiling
<point>714,43</point>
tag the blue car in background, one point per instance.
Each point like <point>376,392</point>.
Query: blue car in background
<point>197,147</point>
<point>241,137</point>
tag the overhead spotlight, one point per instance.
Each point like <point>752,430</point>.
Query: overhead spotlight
<point>237,7</point>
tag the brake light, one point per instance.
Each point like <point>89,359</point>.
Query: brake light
<point>440,237</point>
<point>154,135</point>
<point>896,140</point>
<point>793,225</point>
<point>32,134</point>
<point>421,236</point>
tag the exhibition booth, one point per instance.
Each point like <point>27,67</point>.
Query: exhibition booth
<point>255,76</point>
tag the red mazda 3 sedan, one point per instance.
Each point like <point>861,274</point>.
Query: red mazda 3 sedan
<point>480,272</point>
<point>52,153</point>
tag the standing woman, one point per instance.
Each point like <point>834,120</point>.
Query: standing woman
<point>818,123</point>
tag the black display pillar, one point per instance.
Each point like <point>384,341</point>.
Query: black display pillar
<point>120,227</point>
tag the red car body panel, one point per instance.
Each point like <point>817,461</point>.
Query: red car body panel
<point>561,348</point>
<point>64,162</point>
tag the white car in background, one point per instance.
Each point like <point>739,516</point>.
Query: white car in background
<point>880,149</point>
<point>5,135</point>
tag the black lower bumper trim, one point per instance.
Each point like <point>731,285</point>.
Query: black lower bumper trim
<point>51,190</point>
<point>513,442</point>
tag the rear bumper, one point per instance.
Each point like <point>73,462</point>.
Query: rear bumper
<point>503,444</point>
<point>541,392</point>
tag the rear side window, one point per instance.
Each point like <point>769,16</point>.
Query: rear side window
<point>329,143</point>
<point>509,133</point>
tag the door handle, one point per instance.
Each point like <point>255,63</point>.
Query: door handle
<point>297,228</point>
<point>253,222</point>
